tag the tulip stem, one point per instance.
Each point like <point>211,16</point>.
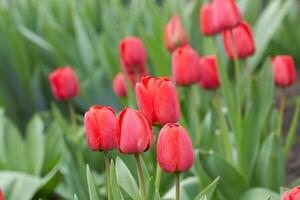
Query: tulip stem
<point>141,177</point>
<point>107,169</point>
<point>281,109</point>
<point>72,114</point>
<point>177,186</point>
<point>157,177</point>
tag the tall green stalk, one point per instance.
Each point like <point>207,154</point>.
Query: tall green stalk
<point>107,169</point>
<point>177,186</point>
<point>141,177</point>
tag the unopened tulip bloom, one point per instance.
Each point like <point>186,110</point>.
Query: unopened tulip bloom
<point>284,70</point>
<point>134,132</point>
<point>133,55</point>
<point>158,100</point>
<point>64,83</point>
<point>206,20</point>
<point>226,14</point>
<point>119,85</point>
<point>174,34</point>
<point>241,40</point>
<point>294,194</point>
<point>100,128</point>
<point>174,149</point>
<point>1,195</point>
<point>185,66</point>
<point>209,73</point>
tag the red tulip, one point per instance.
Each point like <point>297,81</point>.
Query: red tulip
<point>206,20</point>
<point>186,66</point>
<point>134,133</point>
<point>174,34</point>
<point>209,73</point>
<point>226,14</point>
<point>294,194</point>
<point>158,100</point>
<point>100,128</point>
<point>1,195</point>
<point>174,149</point>
<point>119,85</point>
<point>242,39</point>
<point>64,83</point>
<point>284,70</point>
<point>133,55</point>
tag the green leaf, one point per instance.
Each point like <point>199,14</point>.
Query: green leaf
<point>209,190</point>
<point>75,197</point>
<point>259,193</point>
<point>91,184</point>
<point>114,183</point>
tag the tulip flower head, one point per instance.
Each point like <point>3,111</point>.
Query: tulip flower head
<point>294,194</point>
<point>174,149</point>
<point>186,66</point>
<point>241,39</point>
<point>209,73</point>
<point>158,100</point>
<point>174,34</point>
<point>206,20</point>
<point>284,70</point>
<point>100,128</point>
<point>119,85</point>
<point>64,83</point>
<point>1,195</point>
<point>134,132</point>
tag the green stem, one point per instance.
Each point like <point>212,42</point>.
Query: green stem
<point>157,177</point>
<point>107,169</point>
<point>72,114</point>
<point>177,186</point>
<point>281,110</point>
<point>141,177</point>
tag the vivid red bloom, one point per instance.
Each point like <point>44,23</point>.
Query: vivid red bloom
<point>174,149</point>
<point>294,194</point>
<point>242,39</point>
<point>226,14</point>
<point>186,66</point>
<point>133,55</point>
<point>119,85</point>
<point>64,83</point>
<point>158,100</point>
<point>206,20</point>
<point>134,133</point>
<point>209,73</point>
<point>1,195</point>
<point>284,70</point>
<point>100,128</point>
<point>174,34</point>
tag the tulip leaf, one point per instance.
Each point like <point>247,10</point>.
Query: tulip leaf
<point>114,183</point>
<point>91,184</point>
<point>209,190</point>
<point>259,193</point>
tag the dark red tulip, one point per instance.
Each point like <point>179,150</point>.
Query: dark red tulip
<point>133,55</point>
<point>158,100</point>
<point>134,132</point>
<point>185,66</point>
<point>209,73</point>
<point>64,83</point>
<point>174,149</point>
<point>284,70</point>
<point>174,34</point>
<point>242,39</point>
<point>226,15</point>
<point>206,20</point>
<point>100,128</point>
<point>294,194</point>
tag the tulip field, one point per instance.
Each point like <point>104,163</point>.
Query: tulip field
<point>149,100</point>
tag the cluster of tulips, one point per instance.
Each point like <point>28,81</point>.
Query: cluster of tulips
<point>131,131</point>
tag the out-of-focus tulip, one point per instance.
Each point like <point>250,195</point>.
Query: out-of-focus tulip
<point>284,70</point>
<point>242,39</point>
<point>64,83</point>
<point>1,195</point>
<point>134,132</point>
<point>174,34</point>
<point>226,14</point>
<point>186,66</point>
<point>174,149</point>
<point>209,73</point>
<point>206,20</point>
<point>133,55</point>
<point>294,194</point>
<point>158,100</point>
<point>100,127</point>
<point>119,85</point>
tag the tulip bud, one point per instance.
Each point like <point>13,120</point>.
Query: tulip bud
<point>294,194</point>
<point>158,100</point>
<point>134,133</point>
<point>64,83</point>
<point>206,20</point>
<point>226,14</point>
<point>174,149</point>
<point>174,34</point>
<point>284,70</point>
<point>133,55</point>
<point>1,195</point>
<point>185,66</point>
<point>242,39</point>
<point>209,73</point>
<point>119,85</point>
<point>100,128</point>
